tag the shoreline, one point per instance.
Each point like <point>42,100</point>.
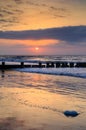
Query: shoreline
<point>37,102</point>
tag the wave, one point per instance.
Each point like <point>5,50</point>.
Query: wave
<point>35,59</point>
<point>75,72</point>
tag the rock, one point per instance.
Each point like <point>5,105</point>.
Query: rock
<point>71,113</point>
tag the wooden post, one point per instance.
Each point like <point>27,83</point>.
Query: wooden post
<point>40,65</point>
<point>71,65</point>
<point>47,65</point>
<point>64,64</point>
<point>57,64</point>
<point>3,65</point>
<point>22,64</point>
<point>82,64</point>
<point>52,64</point>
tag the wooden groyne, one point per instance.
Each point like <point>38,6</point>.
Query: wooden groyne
<point>47,64</point>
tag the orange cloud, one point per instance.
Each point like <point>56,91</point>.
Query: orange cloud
<point>28,43</point>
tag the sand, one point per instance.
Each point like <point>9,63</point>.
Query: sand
<point>31,108</point>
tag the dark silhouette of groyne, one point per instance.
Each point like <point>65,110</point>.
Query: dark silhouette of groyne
<point>47,64</point>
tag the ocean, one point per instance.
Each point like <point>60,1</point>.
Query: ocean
<point>36,98</point>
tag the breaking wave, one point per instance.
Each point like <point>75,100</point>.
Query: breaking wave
<point>76,72</point>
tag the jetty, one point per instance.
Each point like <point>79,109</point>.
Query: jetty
<point>41,64</point>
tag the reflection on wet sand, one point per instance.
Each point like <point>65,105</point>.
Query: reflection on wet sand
<point>38,102</point>
<point>33,109</point>
<point>2,73</point>
<point>12,123</point>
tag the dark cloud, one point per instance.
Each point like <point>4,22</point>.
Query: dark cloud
<point>74,1</point>
<point>59,9</point>
<point>18,1</point>
<point>5,11</point>
<point>59,12</point>
<point>9,20</point>
<point>60,16</point>
<point>44,5</point>
<point>10,11</point>
<point>3,20</point>
<point>18,11</point>
<point>67,34</point>
<point>9,16</point>
<point>52,10</point>
<point>23,8</point>
<point>1,15</point>
<point>32,3</point>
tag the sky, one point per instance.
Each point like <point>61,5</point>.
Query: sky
<point>55,27</point>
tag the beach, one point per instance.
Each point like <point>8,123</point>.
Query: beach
<point>32,101</point>
<point>42,64</point>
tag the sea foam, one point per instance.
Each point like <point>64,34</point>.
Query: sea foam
<point>76,72</point>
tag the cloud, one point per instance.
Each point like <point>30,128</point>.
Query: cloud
<point>79,1</point>
<point>70,34</point>
<point>60,16</point>
<point>18,1</point>
<point>58,9</point>
<point>32,3</point>
<point>59,12</point>
<point>27,10</point>
<point>5,11</point>
<point>9,16</point>
<point>20,46</point>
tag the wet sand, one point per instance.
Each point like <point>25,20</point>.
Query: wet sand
<point>31,108</point>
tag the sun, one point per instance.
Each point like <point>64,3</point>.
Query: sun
<point>37,48</point>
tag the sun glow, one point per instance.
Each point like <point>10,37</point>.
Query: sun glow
<point>36,48</point>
